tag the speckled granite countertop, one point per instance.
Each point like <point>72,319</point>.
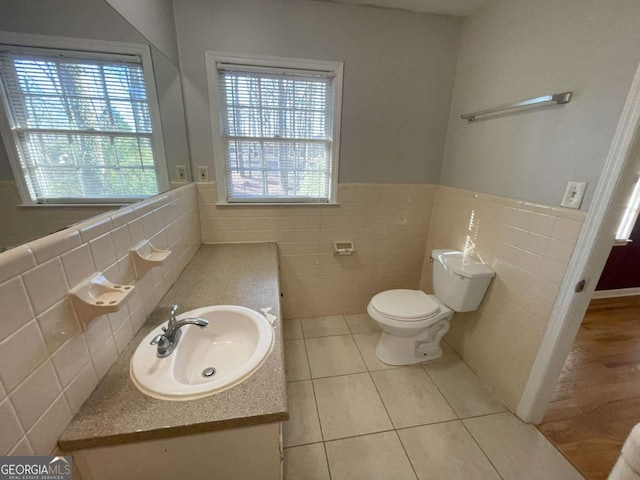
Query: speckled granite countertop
<point>117,412</point>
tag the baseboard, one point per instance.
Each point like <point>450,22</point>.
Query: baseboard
<point>620,292</point>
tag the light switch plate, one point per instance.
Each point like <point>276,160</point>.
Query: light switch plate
<point>573,194</point>
<point>203,173</point>
<point>181,173</point>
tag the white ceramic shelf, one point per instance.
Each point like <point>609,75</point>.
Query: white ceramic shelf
<point>146,256</point>
<point>98,296</point>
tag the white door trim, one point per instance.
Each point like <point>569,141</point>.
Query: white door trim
<point>588,259</point>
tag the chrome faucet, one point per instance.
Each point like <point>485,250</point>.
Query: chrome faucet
<point>170,337</point>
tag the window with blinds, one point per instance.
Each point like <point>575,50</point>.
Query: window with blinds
<point>277,132</point>
<point>81,125</point>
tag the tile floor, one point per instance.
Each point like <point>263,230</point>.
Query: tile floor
<point>353,417</point>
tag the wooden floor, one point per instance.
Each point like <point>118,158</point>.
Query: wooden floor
<point>597,399</point>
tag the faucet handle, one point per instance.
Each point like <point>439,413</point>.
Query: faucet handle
<point>159,340</point>
<point>173,310</point>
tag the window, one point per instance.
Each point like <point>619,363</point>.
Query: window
<point>81,125</point>
<point>276,128</point>
<point>630,216</point>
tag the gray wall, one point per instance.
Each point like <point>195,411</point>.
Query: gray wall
<point>399,71</point>
<point>154,19</point>
<point>517,49</point>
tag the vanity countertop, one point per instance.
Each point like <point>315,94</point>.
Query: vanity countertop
<point>117,412</point>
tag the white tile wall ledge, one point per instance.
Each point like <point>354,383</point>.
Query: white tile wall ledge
<point>48,365</point>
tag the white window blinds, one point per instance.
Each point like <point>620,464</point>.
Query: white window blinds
<point>277,133</point>
<point>81,124</point>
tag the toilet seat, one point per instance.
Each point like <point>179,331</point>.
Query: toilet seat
<point>405,305</point>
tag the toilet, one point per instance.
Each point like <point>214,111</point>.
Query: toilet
<point>413,322</point>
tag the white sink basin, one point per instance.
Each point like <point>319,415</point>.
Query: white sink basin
<point>235,343</point>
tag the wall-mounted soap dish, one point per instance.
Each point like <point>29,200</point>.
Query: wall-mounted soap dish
<point>344,248</point>
<point>98,296</point>
<point>146,256</point>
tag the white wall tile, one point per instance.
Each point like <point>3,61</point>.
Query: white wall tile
<point>33,377</point>
<point>15,261</point>
<point>11,428</point>
<point>70,359</point>
<point>104,357</point>
<point>35,394</point>
<point>50,246</point>
<point>81,387</point>
<point>20,354</point>
<point>78,265</point>
<point>23,448</point>
<point>121,241</point>
<point>44,434</point>
<point>527,244</point>
<point>559,251</point>
<point>97,334</point>
<point>58,324</point>
<point>102,251</point>
<point>46,284</point>
<point>123,335</point>
<point>94,227</point>
<point>16,307</point>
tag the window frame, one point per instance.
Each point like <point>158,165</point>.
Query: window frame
<point>90,46</point>
<point>212,59</point>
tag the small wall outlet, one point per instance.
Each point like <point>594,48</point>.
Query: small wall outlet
<point>181,173</point>
<point>203,173</point>
<point>573,194</point>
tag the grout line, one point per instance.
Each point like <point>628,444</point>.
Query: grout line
<point>482,449</point>
<point>395,430</point>
<point>315,401</point>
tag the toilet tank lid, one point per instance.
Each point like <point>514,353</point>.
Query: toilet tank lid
<point>462,264</point>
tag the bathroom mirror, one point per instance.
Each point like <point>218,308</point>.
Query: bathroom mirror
<point>87,21</point>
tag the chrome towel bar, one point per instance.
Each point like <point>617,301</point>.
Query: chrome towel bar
<point>538,102</point>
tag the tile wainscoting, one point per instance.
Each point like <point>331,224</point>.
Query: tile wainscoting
<point>529,246</point>
<point>48,365</point>
<point>387,222</point>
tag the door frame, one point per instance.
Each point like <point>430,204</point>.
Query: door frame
<point>588,260</point>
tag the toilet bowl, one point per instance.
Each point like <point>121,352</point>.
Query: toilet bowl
<point>412,325</point>
<point>413,322</point>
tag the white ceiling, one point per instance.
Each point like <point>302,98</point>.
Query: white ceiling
<point>459,8</point>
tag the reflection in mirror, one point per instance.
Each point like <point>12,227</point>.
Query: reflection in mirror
<point>23,215</point>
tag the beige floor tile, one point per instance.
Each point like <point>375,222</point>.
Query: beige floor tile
<point>330,356</point>
<point>411,397</point>
<point>292,329</point>
<point>295,356</point>
<point>519,451</point>
<point>303,426</point>
<point>350,405</point>
<point>446,451</point>
<point>324,326</point>
<point>307,462</point>
<point>448,355</point>
<point>361,323</point>
<point>464,391</point>
<point>379,456</point>
<point>366,344</point>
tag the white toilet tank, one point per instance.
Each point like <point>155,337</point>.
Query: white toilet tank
<point>459,280</point>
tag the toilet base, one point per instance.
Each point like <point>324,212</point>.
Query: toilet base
<point>395,350</point>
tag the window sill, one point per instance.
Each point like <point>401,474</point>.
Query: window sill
<point>73,205</point>
<point>277,204</point>
<point>622,243</point>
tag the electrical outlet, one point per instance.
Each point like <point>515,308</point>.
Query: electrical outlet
<point>203,173</point>
<point>573,194</point>
<point>181,173</point>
